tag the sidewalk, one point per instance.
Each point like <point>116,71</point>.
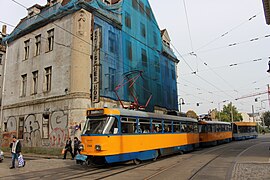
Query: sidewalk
<point>34,165</point>
<point>34,156</point>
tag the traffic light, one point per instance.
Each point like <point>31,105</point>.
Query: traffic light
<point>198,104</point>
<point>256,99</point>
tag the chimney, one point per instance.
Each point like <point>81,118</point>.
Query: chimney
<point>4,30</point>
<point>34,10</point>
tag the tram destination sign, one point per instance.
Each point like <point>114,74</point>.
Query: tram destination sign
<point>96,65</point>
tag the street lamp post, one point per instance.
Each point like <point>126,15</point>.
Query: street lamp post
<point>231,112</point>
<point>181,102</point>
<point>219,108</point>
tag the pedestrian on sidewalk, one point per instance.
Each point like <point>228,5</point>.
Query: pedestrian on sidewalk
<point>76,146</point>
<point>68,148</point>
<point>16,148</point>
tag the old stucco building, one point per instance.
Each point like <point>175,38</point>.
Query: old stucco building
<point>69,55</point>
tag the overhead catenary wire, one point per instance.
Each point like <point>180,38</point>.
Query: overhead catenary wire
<point>211,69</point>
<point>227,32</point>
<point>234,64</point>
<point>231,45</point>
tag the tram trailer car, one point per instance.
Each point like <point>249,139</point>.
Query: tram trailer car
<point>119,135</point>
<point>212,133</point>
<point>244,130</point>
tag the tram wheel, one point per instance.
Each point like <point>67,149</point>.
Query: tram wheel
<point>136,161</point>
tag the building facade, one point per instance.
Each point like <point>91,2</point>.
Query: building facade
<point>70,55</point>
<point>2,58</point>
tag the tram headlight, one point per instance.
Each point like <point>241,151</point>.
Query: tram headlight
<point>81,147</point>
<point>98,147</point>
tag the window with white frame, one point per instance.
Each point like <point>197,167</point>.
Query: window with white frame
<point>48,79</point>
<point>26,49</point>
<point>23,85</point>
<point>35,82</point>
<point>50,39</point>
<point>38,45</point>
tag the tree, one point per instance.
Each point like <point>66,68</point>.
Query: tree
<point>266,118</point>
<point>230,112</point>
<point>192,114</point>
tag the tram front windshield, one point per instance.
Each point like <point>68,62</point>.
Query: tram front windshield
<point>99,125</point>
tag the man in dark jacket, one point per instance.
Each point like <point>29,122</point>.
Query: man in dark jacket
<point>16,148</point>
<point>76,146</point>
<point>68,148</point>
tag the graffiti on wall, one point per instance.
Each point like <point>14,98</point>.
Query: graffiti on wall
<point>7,138</point>
<point>59,130</point>
<point>31,136</point>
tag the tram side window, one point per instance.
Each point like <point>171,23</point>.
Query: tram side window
<point>253,129</point>
<point>223,127</point>
<point>242,129</point>
<point>201,128</point>
<point>230,128</point>
<point>195,125</point>
<point>145,125</point>
<point>183,127</point>
<point>114,128</point>
<point>167,126</point>
<point>190,128</point>
<point>214,128</point>
<point>226,127</point>
<point>218,128</point>
<point>157,126</point>
<point>127,125</point>
<point>209,128</point>
<point>176,127</point>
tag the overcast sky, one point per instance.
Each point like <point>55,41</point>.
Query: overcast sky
<point>230,56</point>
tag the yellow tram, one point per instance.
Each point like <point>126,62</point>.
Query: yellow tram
<point>214,132</point>
<point>118,135</point>
<point>244,130</point>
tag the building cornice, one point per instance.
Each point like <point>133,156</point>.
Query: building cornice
<point>71,96</point>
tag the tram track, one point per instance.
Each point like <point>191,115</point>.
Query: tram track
<point>198,162</point>
<point>226,149</point>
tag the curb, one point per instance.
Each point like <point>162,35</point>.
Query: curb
<point>33,156</point>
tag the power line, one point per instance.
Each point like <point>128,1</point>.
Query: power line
<point>227,32</point>
<point>233,44</point>
<point>231,65</point>
<point>226,82</point>
<point>189,32</point>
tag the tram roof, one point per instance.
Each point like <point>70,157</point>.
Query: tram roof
<point>137,113</point>
<point>245,123</point>
<point>214,122</point>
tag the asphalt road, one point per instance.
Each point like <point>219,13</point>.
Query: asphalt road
<point>237,160</point>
